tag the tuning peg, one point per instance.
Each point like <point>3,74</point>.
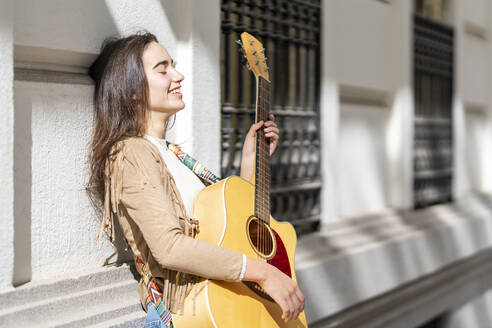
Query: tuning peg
<point>251,42</point>
<point>262,50</point>
<point>241,48</point>
<point>244,61</point>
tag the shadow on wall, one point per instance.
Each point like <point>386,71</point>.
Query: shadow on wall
<point>22,189</point>
<point>64,34</point>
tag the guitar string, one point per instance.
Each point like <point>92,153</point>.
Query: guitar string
<point>263,167</point>
<point>260,210</point>
<point>261,172</point>
<point>267,163</point>
<point>264,242</point>
<point>265,116</point>
<point>259,178</point>
<point>262,149</point>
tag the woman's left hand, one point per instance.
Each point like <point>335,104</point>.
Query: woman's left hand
<point>248,153</point>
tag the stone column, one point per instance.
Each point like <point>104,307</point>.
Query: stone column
<point>399,142</point>
<point>6,143</point>
<point>459,133</point>
<point>330,115</point>
<point>197,127</point>
<point>487,161</point>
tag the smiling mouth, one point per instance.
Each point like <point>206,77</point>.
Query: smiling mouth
<point>176,90</point>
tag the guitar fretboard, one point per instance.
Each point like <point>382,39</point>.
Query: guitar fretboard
<point>262,171</point>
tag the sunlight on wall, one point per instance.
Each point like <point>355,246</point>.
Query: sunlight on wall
<point>131,16</point>
<point>459,161</point>
<point>399,149</point>
<point>475,125</point>
<point>362,174</point>
<point>330,111</point>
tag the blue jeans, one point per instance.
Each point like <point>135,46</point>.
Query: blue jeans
<point>153,318</point>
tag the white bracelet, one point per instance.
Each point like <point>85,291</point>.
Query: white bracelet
<point>243,269</point>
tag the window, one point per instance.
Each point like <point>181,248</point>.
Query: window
<point>433,90</point>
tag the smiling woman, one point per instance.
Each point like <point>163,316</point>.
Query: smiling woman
<point>138,177</point>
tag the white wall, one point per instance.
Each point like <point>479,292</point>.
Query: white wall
<point>366,60</point>
<point>6,144</point>
<point>472,98</point>
<point>475,70</point>
<point>400,137</point>
<point>487,140</point>
<point>475,132</point>
<point>362,44</point>
<point>362,165</point>
<point>200,57</point>
<point>62,221</point>
<point>69,33</point>
<point>477,12</point>
<point>329,112</point>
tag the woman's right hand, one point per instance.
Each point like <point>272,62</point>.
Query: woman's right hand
<point>278,285</point>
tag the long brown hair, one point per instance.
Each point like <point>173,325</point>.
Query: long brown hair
<point>120,103</point>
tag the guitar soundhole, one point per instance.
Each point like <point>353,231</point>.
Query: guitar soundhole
<point>261,238</point>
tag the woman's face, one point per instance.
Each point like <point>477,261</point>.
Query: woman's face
<point>163,80</point>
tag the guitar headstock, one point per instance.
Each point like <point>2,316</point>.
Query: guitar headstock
<point>254,54</point>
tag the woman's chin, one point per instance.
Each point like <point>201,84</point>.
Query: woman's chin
<point>182,106</point>
<point>176,106</point>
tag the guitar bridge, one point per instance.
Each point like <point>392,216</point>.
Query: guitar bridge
<point>258,290</point>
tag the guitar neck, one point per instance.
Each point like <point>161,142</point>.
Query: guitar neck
<point>262,165</point>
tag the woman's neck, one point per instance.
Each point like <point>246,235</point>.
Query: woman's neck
<point>156,124</point>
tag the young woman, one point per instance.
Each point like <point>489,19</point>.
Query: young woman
<point>137,179</point>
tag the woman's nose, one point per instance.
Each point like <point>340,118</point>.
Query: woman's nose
<point>178,77</point>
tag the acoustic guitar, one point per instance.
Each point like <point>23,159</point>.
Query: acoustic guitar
<point>235,214</point>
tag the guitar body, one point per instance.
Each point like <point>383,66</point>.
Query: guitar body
<point>224,210</point>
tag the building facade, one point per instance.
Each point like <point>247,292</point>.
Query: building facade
<point>393,200</point>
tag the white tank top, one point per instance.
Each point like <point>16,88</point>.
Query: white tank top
<point>187,182</point>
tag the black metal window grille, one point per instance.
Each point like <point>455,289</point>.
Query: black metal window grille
<point>289,31</point>
<point>433,90</point>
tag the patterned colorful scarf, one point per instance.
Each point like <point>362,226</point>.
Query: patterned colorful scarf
<point>193,164</point>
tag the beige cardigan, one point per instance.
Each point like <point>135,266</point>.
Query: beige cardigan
<point>142,194</point>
